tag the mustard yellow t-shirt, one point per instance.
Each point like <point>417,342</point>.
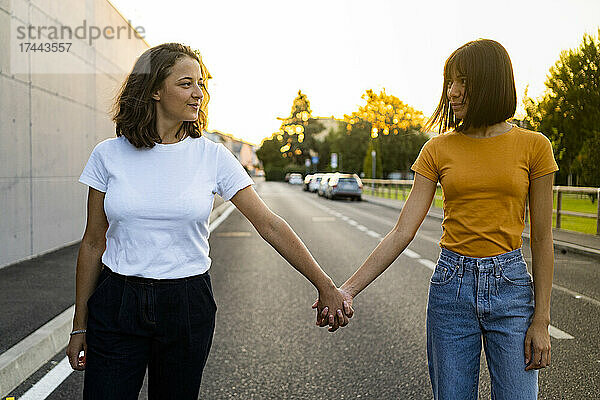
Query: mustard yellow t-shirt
<point>485,184</point>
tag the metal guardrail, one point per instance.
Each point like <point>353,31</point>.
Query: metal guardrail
<point>402,187</point>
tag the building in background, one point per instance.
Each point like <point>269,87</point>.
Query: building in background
<point>244,151</point>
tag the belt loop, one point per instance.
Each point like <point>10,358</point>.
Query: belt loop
<point>461,267</point>
<point>497,267</point>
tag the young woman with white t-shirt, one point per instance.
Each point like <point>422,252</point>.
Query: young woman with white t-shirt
<point>143,293</point>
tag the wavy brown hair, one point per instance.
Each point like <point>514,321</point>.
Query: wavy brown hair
<point>490,87</point>
<point>134,110</point>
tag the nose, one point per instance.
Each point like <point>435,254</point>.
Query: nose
<point>454,91</point>
<point>197,93</point>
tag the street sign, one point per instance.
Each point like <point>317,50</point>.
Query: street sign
<point>334,160</point>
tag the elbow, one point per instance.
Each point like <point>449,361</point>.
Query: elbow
<point>269,226</point>
<point>402,237</point>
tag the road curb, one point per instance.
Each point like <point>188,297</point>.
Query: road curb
<point>27,356</point>
<point>558,244</point>
<point>24,358</point>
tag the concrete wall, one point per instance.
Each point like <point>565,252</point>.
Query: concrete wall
<point>53,111</point>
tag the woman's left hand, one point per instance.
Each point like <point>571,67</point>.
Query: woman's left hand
<point>537,346</point>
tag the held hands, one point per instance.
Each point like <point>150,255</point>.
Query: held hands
<point>537,346</point>
<point>334,299</point>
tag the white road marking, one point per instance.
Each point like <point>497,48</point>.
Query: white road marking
<point>49,382</point>
<point>373,234</point>
<point>575,294</point>
<point>221,218</point>
<point>411,254</point>
<point>558,334</point>
<point>427,263</point>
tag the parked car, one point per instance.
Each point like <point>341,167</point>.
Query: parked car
<point>307,179</point>
<point>323,184</point>
<point>296,179</point>
<point>344,185</point>
<point>315,181</point>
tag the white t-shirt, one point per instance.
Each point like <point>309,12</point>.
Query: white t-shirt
<point>158,202</point>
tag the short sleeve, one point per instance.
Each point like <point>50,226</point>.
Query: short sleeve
<point>231,176</point>
<point>542,159</point>
<point>94,173</point>
<point>425,164</point>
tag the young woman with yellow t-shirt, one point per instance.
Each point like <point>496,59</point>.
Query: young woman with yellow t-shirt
<point>480,286</point>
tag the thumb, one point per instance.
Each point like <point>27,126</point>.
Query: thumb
<point>315,304</point>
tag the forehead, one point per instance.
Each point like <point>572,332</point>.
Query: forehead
<point>186,66</point>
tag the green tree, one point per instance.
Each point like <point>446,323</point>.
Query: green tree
<point>569,110</point>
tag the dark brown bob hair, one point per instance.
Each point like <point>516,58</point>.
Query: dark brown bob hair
<point>490,87</point>
<point>134,110</point>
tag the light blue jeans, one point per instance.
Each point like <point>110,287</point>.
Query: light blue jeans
<point>474,297</point>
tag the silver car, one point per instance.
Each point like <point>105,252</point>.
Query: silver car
<point>344,185</point>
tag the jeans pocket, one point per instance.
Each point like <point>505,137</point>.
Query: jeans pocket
<point>443,274</point>
<point>517,274</point>
<point>201,299</point>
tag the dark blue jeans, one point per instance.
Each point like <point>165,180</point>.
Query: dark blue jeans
<point>134,323</point>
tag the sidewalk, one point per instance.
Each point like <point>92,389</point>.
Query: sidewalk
<point>563,240</point>
<point>36,299</point>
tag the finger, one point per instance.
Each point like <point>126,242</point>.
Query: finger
<point>527,350</point>
<point>544,359</point>
<point>347,309</point>
<point>324,319</point>
<point>535,358</point>
<point>341,320</point>
<point>549,356</point>
<point>315,304</point>
<point>331,319</point>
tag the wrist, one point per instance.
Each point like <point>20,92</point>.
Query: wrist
<point>541,319</point>
<point>326,285</point>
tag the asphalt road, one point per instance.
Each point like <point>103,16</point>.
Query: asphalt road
<point>267,347</point>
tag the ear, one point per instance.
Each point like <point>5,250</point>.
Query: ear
<point>156,96</point>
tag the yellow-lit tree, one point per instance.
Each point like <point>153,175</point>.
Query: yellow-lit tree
<point>297,131</point>
<point>393,128</point>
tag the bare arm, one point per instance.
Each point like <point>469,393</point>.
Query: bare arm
<point>542,251</point>
<point>278,234</point>
<point>412,215</point>
<point>88,270</point>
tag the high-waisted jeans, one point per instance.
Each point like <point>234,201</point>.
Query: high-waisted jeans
<point>471,298</point>
<point>136,323</point>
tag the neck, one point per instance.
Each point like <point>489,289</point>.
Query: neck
<point>167,129</point>
<point>488,131</point>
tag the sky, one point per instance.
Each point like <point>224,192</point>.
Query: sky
<point>260,53</point>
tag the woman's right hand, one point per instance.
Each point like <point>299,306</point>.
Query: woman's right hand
<point>76,345</point>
